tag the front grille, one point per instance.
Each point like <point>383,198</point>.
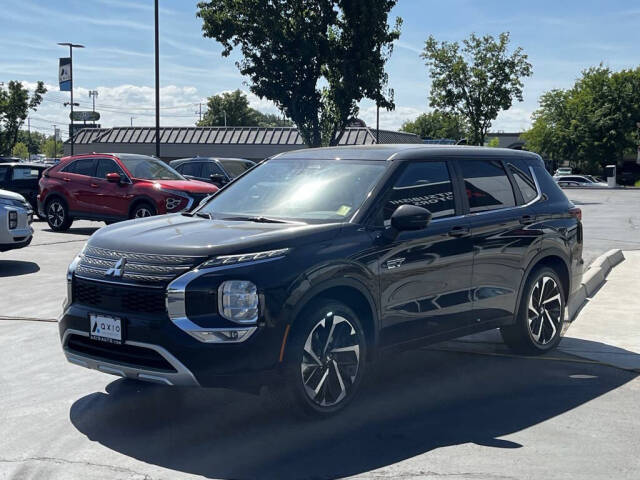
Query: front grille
<point>118,298</point>
<point>129,355</point>
<point>143,268</point>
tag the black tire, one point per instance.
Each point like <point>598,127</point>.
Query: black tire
<point>57,215</point>
<point>336,376</point>
<point>143,210</point>
<point>540,318</point>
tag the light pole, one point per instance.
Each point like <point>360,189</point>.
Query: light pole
<point>157,55</point>
<point>71,47</point>
<point>93,94</point>
<point>131,118</point>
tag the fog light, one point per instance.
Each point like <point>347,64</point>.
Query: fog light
<point>220,335</point>
<point>13,220</point>
<point>238,301</point>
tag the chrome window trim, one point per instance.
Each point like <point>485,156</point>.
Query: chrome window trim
<point>182,376</point>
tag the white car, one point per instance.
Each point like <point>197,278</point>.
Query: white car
<point>578,181</point>
<point>16,216</point>
<point>563,171</point>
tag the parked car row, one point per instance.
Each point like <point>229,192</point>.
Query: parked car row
<point>578,181</point>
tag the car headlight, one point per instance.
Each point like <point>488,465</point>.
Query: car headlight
<point>244,257</point>
<point>238,301</point>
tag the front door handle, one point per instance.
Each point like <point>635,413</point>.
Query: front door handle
<point>94,185</point>
<point>527,219</point>
<point>459,232</point>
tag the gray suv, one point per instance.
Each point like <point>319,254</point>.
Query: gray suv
<point>16,216</point>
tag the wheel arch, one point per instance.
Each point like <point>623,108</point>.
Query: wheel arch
<point>352,293</point>
<point>141,199</point>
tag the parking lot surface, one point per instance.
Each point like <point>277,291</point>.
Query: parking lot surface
<point>430,413</point>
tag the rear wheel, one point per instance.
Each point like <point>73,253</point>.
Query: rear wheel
<point>540,317</point>
<point>143,210</point>
<point>325,360</point>
<point>58,215</point>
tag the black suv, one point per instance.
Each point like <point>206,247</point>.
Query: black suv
<point>303,270</point>
<point>218,171</point>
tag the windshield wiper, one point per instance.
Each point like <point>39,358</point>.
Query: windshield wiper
<point>257,219</point>
<point>204,215</point>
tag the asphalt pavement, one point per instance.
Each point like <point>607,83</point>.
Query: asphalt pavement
<point>435,412</point>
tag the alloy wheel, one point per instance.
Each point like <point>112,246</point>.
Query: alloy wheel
<point>55,214</point>
<point>544,312</point>
<point>142,212</point>
<point>330,360</point>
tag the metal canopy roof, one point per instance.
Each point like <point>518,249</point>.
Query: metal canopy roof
<point>231,136</point>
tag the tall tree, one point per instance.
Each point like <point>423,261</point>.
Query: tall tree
<point>232,109</point>
<point>437,124</point>
<point>52,148</point>
<point>20,150</point>
<point>591,124</point>
<point>315,59</point>
<point>477,79</point>
<point>15,104</point>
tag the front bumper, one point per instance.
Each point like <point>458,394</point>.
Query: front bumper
<point>189,362</point>
<point>21,235</point>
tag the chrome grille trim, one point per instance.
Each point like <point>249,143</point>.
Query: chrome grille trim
<point>139,267</point>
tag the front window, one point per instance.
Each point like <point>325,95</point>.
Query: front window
<point>305,190</point>
<point>149,168</point>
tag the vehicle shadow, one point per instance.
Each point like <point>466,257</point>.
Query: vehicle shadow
<point>415,403</point>
<point>88,231</point>
<point>14,268</point>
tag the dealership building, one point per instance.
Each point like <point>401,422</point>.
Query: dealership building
<point>253,143</point>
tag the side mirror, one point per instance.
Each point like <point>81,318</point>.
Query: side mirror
<point>410,217</point>
<point>218,178</point>
<point>113,177</point>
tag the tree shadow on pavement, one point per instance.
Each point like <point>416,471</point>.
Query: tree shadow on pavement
<point>415,403</point>
<point>14,268</point>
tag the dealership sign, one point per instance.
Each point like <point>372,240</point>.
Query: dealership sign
<point>84,116</point>
<point>64,74</point>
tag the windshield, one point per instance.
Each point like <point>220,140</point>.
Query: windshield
<point>149,168</point>
<point>235,168</point>
<point>306,190</point>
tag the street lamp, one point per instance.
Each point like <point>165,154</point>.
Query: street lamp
<point>71,47</point>
<point>157,57</point>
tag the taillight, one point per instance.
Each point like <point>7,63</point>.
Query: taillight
<point>576,212</point>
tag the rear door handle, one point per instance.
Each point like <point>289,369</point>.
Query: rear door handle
<point>67,179</point>
<point>459,232</point>
<point>527,219</point>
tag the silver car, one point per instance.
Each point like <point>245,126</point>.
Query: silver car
<point>16,216</point>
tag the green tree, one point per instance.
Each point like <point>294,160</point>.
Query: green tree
<point>493,142</point>
<point>315,59</point>
<point>20,150</point>
<point>232,109</point>
<point>15,104</point>
<point>437,125</point>
<point>33,140</point>
<point>52,148</point>
<point>477,79</point>
<point>591,124</point>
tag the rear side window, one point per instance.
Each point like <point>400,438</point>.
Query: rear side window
<point>525,183</point>
<point>3,172</point>
<point>487,185</point>
<point>424,184</point>
<point>24,173</point>
<point>81,167</point>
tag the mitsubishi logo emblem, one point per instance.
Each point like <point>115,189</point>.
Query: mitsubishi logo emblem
<point>118,269</point>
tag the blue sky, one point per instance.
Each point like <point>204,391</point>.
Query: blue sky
<point>560,37</point>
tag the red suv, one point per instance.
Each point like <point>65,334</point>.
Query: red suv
<point>114,187</point>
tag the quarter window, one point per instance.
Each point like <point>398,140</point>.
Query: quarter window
<point>424,184</point>
<point>487,185</point>
<point>525,183</point>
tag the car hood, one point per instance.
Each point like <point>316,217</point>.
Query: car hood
<point>11,195</point>
<point>194,186</point>
<point>180,234</point>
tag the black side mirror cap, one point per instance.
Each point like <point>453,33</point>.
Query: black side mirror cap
<point>410,217</point>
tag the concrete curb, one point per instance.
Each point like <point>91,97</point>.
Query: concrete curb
<point>593,279</point>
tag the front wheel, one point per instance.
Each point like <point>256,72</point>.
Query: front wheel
<point>58,215</point>
<point>143,210</point>
<point>540,317</point>
<point>325,359</point>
